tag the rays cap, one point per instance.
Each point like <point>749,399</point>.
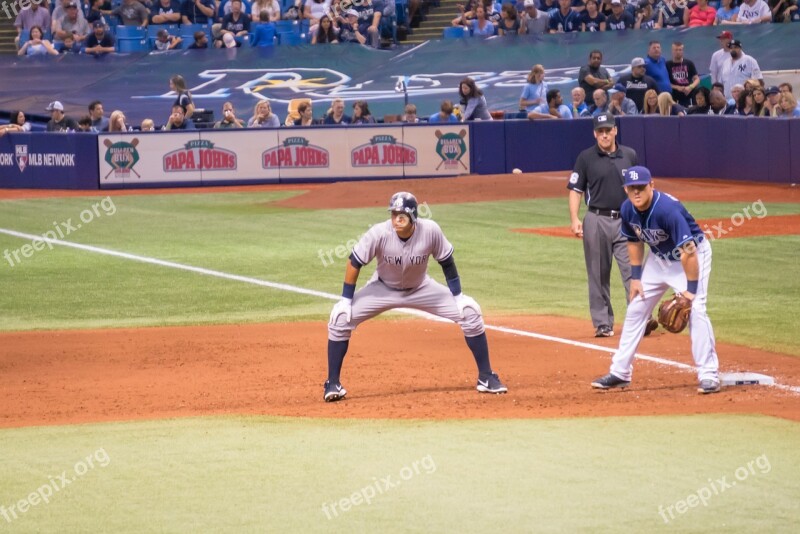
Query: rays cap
<point>604,120</point>
<point>636,176</point>
<point>54,106</point>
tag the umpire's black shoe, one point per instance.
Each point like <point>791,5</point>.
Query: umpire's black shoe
<point>610,381</point>
<point>604,331</point>
<point>334,392</point>
<point>652,324</point>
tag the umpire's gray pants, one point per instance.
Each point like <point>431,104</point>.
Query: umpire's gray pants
<point>602,241</point>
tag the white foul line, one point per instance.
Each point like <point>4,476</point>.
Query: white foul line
<point>331,296</point>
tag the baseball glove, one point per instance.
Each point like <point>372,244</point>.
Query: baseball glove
<point>673,314</point>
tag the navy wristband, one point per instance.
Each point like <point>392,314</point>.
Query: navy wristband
<point>455,286</point>
<point>348,290</point>
<point>636,272</point>
<point>691,286</point>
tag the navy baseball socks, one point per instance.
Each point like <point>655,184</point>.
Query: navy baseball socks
<point>488,382</point>
<point>336,353</point>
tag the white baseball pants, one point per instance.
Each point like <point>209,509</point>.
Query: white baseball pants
<point>657,276</point>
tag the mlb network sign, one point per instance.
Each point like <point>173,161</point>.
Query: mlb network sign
<point>43,160</point>
<point>23,159</point>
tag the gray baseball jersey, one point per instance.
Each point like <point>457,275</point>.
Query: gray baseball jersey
<point>403,264</point>
<point>401,279</point>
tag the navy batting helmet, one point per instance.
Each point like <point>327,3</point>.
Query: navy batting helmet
<point>404,202</point>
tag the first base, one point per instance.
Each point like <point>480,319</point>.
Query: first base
<point>745,379</point>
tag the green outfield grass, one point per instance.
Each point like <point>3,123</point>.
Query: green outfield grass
<point>263,474</point>
<point>752,287</point>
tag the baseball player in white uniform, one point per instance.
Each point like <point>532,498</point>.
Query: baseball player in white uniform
<point>680,258</point>
<point>403,246</point>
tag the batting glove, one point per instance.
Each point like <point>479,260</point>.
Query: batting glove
<point>344,306</point>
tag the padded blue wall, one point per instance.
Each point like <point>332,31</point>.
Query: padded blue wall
<point>732,148</point>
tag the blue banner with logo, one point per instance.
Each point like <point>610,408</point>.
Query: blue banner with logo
<point>48,161</point>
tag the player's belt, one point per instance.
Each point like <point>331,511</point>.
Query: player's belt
<point>614,214</point>
<point>394,288</point>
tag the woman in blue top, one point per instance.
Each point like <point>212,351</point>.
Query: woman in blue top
<point>726,11</point>
<point>788,108</point>
<point>481,26</point>
<point>535,91</point>
<point>36,45</point>
<point>475,107</point>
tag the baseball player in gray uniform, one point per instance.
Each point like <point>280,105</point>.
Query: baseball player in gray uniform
<point>402,246</point>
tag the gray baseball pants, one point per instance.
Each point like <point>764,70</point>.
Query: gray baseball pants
<point>602,241</point>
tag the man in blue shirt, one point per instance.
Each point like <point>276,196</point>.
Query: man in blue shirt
<point>619,19</point>
<point>553,109</point>
<point>198,11</point>
<point>564,19</point>
<point>655,66</point>
<point>679,258</point>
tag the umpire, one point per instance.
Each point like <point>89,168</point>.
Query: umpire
<point>598,175</point>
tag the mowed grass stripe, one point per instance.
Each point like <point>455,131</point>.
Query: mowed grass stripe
<point>244,234</point>
<point>228,474</point>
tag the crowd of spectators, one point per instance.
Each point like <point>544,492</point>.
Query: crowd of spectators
<point>670,87</point>
<point>653,85</point>
<point>533,17</point>
<point>230,22</point>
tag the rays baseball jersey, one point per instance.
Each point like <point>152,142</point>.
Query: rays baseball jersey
<point>665,226</point>
<point>403,264</point>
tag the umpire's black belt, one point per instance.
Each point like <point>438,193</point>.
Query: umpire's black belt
<point>394,288</point>
<point>614,214</point>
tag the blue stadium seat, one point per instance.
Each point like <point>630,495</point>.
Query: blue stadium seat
<point>187,32</point>
<point>401,9</point>
<point>130,32</point>
<point>284,26</point>
<point>289,39</point>
<point>127,46</point>
<point>304,30</point>
<point>454,32</point>
<point>388,25</point>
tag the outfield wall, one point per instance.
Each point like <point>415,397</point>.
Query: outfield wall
<point>736,148</point>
